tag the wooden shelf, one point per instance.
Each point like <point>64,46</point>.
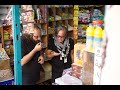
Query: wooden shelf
<point>79,22</point>
<point>71,6</point>
<point>39,21</point>
<point>87,6</point>
<point>24,11</point>
<point>64,13</point>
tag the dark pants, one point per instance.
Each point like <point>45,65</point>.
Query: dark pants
<point>29,81</point>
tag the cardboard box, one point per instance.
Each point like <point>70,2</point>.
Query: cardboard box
<point>6,57</point>
<point>88,68</point>
<point>5,68</point>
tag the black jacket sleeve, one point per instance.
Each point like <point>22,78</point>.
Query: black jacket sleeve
<point>71,43</point>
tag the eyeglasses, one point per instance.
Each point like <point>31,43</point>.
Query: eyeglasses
<point>60,36</point>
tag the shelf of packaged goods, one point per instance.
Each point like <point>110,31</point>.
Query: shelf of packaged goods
<point>61,19</point>
<point>39,21</point>
<point>24,11</point>
<point>60,6</point>
<point>87,6</point>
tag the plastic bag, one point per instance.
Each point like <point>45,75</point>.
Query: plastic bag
<point>67,79</point>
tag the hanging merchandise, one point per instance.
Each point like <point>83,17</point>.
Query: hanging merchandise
<point>27,15</point>
<point>75,18</point>
<point>26,7</point>
<point>38,14</point>
<point>98,34</point>
<point>97,15</point>
<point>84,16</point>
<point>89,37</point>
<point>30,16</point>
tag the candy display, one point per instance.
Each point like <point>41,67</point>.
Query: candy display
<point>3,54</point>
<point>97,15</point>
<point>26,7</point>
<point>84,16</point>
<point>28,28</point>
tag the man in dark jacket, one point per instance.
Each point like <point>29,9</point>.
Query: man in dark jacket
<point>32,58</point>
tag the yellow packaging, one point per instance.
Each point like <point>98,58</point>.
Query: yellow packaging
<point>98,32</point>
<point>76,7</point>
<point>98,35</point>
<point>75,18</point>
<point>78,53</point>
<point>75,22</point>
<point>89,37</point>
<point>76,12</point>
<point>90,31</point>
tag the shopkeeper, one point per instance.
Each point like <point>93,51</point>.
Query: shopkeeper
<point>60,51</point>
<point>32,57</point>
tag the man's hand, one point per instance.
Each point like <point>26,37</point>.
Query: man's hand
<point>55,54</point>
<point>50,54</point>
<point>41,59</point>
<point>38,47</point>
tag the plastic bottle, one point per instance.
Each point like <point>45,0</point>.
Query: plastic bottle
<point>89,37</point>
<point>38,14</point>
<point>98,35</point>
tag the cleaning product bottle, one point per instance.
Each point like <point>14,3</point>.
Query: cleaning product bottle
<point>38,14</point>
<point>98,35</point>
<point>89,37</point>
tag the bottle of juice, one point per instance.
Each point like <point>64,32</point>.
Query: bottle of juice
<point>98,35</point>
<point>89,37</point>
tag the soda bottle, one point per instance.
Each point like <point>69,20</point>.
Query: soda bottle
<point>98,35</point>
<point>89,37</point>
